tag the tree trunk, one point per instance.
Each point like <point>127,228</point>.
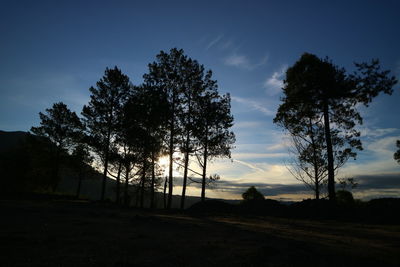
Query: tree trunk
<point>103,184</point>
<point>165,192</point>
<point>185,172</point>
<point>106,154</point>
<point>171,162</point>
<point>153,178</point>
<point>203,182</point>
<point>126,197</point>
<point>315,163</point>
<point>187,147</point>
<point>331,171</point>
<point>117,197</point>
<point>142,184</point>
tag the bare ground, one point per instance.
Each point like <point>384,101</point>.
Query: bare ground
<point>71,233</point>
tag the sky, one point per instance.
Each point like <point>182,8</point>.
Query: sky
<point>53,51</point>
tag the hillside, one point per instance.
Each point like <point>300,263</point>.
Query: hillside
<point>91,186</point>
<point>9,140</point>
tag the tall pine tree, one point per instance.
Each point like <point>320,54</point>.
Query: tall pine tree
<point>102,112</point>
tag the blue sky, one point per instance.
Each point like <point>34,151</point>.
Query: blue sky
<point>55,50</point>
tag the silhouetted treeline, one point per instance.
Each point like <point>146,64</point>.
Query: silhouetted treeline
<point>125,129</point>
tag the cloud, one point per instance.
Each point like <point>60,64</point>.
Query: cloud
<point>237,61</point>
<point>379,181</point>
<point>275,147</point>
<point>257,155</point>
<point>243,62</point>
<point>377,132</point>
<point>214,41</point>
<point>253,105</point>
<point>383,145</point>
<point>251,166</point>
<point>274,83</point>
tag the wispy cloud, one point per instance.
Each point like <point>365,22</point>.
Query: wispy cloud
<point>258,155</point>
<point>241,61</point>
<point>376,132</point>
<point>214,41</point>
<point>253,105</point>
<point>236,60</point>
<point>274,83</point>
<point>251,166</point>
<point>277,147</point>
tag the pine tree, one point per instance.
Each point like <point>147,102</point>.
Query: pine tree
<point>316,88</point>
<point>102,112</point>
<point>61,126</point>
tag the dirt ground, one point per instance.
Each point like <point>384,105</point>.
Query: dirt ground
<point>73,233</point>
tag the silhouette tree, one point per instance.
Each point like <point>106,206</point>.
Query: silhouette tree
<point>61,126</point>
<point>101,114</point>
<point>195,87</point>
<point>213,136</point>
<point>396,155</point>
<point>252,194</point>
<point>316,88</point>
<point>167,74</point>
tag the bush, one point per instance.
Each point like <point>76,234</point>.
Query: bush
<point>344,197</point>
<point>252,194</point>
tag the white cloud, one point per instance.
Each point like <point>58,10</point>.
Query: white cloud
<point>243,62</point>
<point>383,147</point>
<point>274,83</point>
<point>235,60</point>
<point>253,105</point>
